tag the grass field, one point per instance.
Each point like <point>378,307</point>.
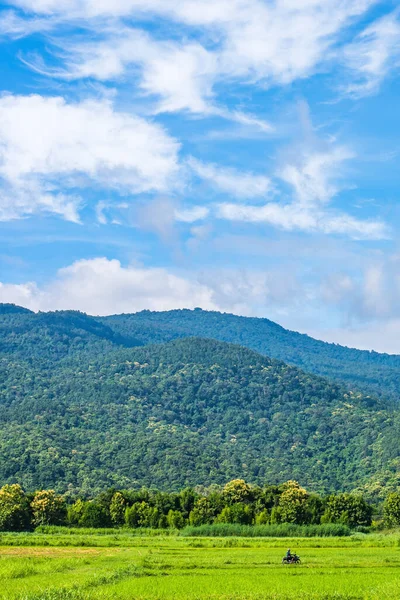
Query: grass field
<point>126,566</point>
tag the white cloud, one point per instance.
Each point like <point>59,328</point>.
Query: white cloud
<point>313,173</point>
<point>236,183</point>
<point>373,54</point>
<point>254,41</point>
<point>191,214</point>
<point>48,146</point>
<point>293,216</point>
<point>102,286</point>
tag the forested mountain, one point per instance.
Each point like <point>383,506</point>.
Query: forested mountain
<point>64,332</point>
<point>371,372</point>
<point>81,411</point>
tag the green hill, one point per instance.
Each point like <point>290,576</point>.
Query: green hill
<point>191,411</point>
<point>84,405</point>
<point>371,372</point>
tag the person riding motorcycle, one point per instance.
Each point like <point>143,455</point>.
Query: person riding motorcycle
<point>289,555</point>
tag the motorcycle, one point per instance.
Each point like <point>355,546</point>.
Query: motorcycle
<point>292,560</point>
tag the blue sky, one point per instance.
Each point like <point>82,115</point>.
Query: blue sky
<point>237,155</point>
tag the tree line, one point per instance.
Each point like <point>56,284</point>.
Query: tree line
<point>237,502</point>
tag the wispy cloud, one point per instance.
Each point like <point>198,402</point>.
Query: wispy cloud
<point>292,217</point>
<point>251,41</point>
<point>240,184</point>
<point>314,171</point>
<point>373,55</point>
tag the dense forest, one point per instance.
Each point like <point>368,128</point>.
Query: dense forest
<point>370,372</point>
<point>84,407</point>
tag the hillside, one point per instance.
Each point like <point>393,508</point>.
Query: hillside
<point>371,372</point>
<point>61,333</point>
<point>80,412</point>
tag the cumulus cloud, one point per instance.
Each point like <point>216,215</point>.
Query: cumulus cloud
<point>380,337</point>
<point>102,286</point>
<point>48,146</point>
<point>237,183</point>
<point>373,54</point>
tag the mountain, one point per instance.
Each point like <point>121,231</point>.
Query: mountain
<point>61,333</point>
<point>54,335</point>
<point>370,372</point>
<point>81,411</point>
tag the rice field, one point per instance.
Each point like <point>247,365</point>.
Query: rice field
<point>121,565</point>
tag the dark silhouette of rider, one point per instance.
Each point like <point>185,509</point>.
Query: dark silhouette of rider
<point>288,554</point>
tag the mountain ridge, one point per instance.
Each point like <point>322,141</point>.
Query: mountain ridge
<point>87,402</point>
<point>369,371</point>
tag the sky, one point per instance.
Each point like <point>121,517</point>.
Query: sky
<point>233,155</point>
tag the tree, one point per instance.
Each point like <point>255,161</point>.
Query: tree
<point>202,513</point>
<point>141,514</point>
<point>75,512</point>
<point>349,509</point>
<point>175,519</point>
<point>117,509</point>
<point>14,508</point>
<point>237,490</point>
<point>293,503</point>
<point>263,517</point>
<point>187,499</point>
<point>391,509</point>
<point>94,514</point>
<point>237,513</point>
<point>48,508</point>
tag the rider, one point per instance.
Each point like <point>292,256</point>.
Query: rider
<point>288,554</point>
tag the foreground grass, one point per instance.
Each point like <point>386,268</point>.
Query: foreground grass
<point>127,566</point>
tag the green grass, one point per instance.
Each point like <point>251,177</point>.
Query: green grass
<point>124,566</point>
<point>283,530</point>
